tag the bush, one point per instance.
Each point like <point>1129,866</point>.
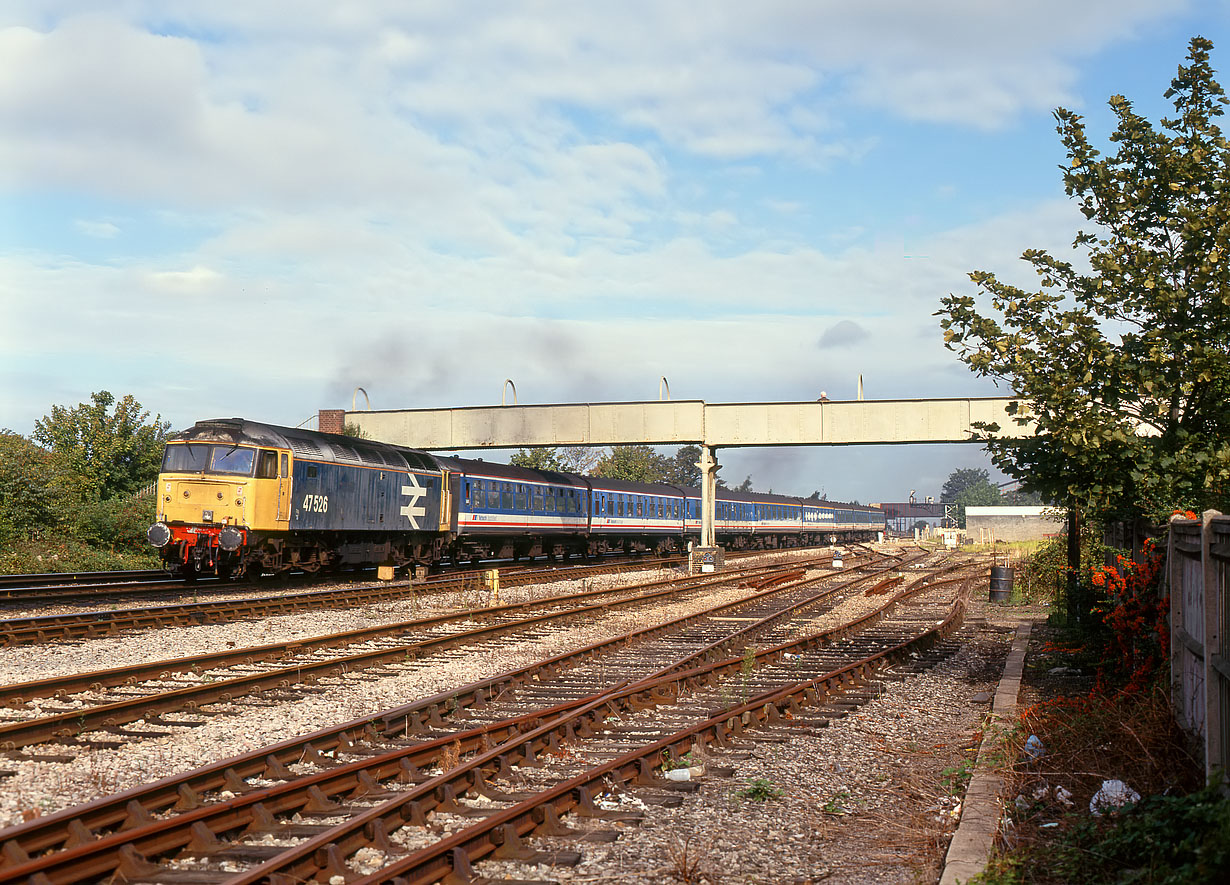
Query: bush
<point>1162,840</point>
<point>118,524</point>
<point>68,554</point>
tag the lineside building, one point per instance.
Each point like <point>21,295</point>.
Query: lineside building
<point>985,525</point>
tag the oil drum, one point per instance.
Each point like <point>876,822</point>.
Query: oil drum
<point>1001,583</point>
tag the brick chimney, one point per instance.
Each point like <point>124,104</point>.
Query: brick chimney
<point>331,420</point>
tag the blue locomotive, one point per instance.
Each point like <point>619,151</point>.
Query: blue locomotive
<point>236,496</point>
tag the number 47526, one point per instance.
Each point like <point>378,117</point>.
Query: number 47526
<point>316,503</point>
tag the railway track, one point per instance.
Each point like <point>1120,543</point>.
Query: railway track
<point>107,699</point>
<point>371,773</point>
<point>63,588</point>
<point>77,625</point>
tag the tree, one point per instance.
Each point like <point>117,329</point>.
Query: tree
<point>746,485</point>
<point>969,486</point>
<point>33,490</point>
<point>961,479</point>
<point>633,463</point>
<point>536,459</point>
<point>684,468</point>
<point>1125,366</point>
<point>578,459</point>
<point>113,452</point>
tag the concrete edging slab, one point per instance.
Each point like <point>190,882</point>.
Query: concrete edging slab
<point>974,839</point>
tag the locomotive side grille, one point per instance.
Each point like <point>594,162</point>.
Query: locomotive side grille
<point>305,447</point>
<point>343,452</point>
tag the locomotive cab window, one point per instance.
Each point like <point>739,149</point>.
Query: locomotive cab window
<point>232,460</point>
<point>267,465</point>
<point>185,458</point>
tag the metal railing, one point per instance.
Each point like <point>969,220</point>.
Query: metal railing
<point>1198,558</point>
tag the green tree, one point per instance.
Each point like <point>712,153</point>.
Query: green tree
<point>33,490</point>
<point>536,459</point>
<point>961,479</point>
<point>113,452</point>
<point>633,463</point>
<point>969,486</point>
<point>1123,365</point>
<point>684,468</point>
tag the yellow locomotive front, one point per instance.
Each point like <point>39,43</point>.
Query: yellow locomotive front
<point>216,499</point>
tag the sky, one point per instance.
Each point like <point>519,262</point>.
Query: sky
<point>252,209</point>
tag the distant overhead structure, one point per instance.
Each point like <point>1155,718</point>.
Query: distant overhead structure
<point>686,422</point>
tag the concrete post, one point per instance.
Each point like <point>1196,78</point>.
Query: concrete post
<point>708,494</point>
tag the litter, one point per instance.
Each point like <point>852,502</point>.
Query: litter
<point>1113,795</point>
<point>1034,748</point>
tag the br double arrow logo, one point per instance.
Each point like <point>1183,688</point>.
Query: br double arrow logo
<point>415,493</point>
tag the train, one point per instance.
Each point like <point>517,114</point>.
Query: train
<point>239,497</point>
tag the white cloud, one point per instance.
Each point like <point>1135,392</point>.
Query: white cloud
<point>102,230</point>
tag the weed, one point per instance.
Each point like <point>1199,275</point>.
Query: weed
<point>670,761</point>
<point>761,789</point>
<point>956,777</point>
<point>686,864</point>
<point>450,756</point>
<point>837,803</point>
<point>746,668</point>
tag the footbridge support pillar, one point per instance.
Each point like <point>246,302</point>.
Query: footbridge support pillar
<point>708,465</point>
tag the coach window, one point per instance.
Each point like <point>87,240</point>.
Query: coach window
<point>505,496</point>
<point>267,466</point>
<point>550,498</point>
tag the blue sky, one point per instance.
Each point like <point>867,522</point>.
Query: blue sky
<point>251,209</point>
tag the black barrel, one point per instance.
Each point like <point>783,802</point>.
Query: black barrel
<point>1001,583</point>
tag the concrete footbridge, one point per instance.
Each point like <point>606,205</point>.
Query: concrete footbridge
<point>687,422</point>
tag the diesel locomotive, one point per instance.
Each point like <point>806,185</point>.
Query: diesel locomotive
<point>239,497</point>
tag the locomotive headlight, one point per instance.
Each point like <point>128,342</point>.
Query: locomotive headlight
<point>158,534</point>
